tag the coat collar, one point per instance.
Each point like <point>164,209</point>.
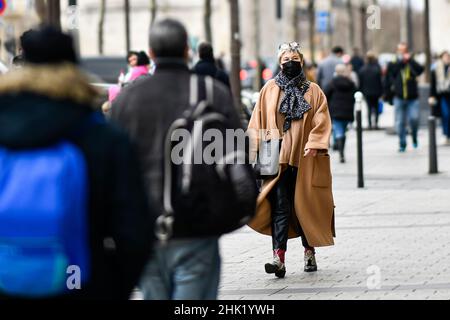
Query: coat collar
<point>171,64</point>
<point>58,82</point>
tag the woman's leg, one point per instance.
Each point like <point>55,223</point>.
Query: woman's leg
<point>340,127</point>
<point>281,211</point>
<point>445,117</point>
<point>310,252</point>
<point>373,112</point>
<point>281,204</point>
<point>369,101</point>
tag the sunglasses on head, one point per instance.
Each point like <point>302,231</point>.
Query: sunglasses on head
<point>289,46</point>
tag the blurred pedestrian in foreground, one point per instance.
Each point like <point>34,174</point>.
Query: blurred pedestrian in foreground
<point>371,85</point>
<point>298,200</point>
<point>440,91</point>
<point>186,266</point>
<point>71,184</point>
<point>341,101</point>
<point>327,67</point>
<point>207,66</point>
<point>401,87</point>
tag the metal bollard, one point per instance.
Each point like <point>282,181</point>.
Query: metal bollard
<point>359,136</point>
<point>433,159</point>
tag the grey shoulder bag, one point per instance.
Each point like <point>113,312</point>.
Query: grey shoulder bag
<point>268,160</point>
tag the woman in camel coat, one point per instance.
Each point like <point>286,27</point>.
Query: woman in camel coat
<point>298,202</point>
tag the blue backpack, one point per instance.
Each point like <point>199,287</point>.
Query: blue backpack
<point>43,220</point>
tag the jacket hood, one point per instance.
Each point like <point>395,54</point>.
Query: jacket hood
<point>41,104</point>
<point>343,83</point>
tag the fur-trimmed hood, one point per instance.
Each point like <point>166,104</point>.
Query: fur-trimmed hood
<point>59,82</point>
<point>39,105</point>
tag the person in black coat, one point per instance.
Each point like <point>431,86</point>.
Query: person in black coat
<point>49,100</point>
<point>206,66</point>
<point>440,92</point>
<point>371,85</point>
<point>341,103</point>
<point>401,89</point>
<point>186,267</point>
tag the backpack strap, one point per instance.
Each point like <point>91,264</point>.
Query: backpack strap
<point>200,96</point>
<point>193,91</point>
<point>209,84</point>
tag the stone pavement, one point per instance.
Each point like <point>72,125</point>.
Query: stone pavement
<point>393,237</point>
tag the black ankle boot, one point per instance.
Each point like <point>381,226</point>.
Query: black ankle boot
<point>310,261</point>
<point>277,266</point>
<point>341,145</point>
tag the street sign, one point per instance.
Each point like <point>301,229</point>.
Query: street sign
<point>2,6</point>
<point>322,21</point>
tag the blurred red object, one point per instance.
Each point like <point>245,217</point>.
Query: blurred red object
<point>243,75</point>
<point>267,74</point>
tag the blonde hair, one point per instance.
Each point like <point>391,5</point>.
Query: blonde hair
<point>288,47</point>
<point>341,70</point>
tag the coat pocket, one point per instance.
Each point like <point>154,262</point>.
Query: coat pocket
<point>322,171</point>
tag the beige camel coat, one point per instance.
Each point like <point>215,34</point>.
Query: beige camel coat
<point>313,203</point>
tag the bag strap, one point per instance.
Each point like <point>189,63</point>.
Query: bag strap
<point>164,223</point>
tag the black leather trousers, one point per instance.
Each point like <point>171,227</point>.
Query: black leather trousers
<point>282,203</point>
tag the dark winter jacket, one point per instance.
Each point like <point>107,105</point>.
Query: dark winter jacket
<point>370,77</point>
<point>209,68</point>
<point>442,72</point>
<point>341,101</point>
<point>357,63</point>
<point>148,107</point>
<point>40,106</point>
<point>401,80</point>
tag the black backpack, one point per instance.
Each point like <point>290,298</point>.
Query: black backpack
<point>201,199</point>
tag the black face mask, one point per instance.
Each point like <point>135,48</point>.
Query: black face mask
<point>292,69</point>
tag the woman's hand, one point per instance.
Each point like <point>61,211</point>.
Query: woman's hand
<point>311,152</point>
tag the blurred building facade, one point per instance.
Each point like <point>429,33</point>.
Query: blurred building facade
<point>440,25</point>
<point>264,36</point>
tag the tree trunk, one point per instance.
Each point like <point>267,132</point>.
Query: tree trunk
<point>351,25</point>
<point>207,21</point>
<point>127,25</point>
<point>257,81</point>
<point>312,30</point>
<point>409,25</point>
<point>153,11</point>
<point>376,40</point>
<point>330,30</point>
<point>427,40</point>
<point>362,12</point>
<point>295,27</point>
<point>41,10</point>
<point>101,25</point>
<point>235,54</point>
<point>54,13</point>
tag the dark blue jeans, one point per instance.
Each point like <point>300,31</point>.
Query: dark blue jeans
<point>183,270</point>
<point>406,112</point>
<point>445,109</point>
